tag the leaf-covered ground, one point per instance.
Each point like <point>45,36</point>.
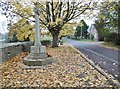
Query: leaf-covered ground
<point>68,70</point>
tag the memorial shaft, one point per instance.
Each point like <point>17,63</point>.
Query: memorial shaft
<point>37,27</point>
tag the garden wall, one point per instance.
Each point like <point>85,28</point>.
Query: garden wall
<point>8,50</point>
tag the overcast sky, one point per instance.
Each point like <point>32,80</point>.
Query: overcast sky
<point>3,24</point>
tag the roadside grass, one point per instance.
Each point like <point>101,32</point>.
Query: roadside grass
<point>111,45</point>
<point>86,40</point>
<point>81,40</point>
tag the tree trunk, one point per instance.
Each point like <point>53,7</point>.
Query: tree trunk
<point>55,40</point>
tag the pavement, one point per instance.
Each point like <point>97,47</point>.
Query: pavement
<point>105,58</point>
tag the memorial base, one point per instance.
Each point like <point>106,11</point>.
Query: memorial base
<point>37,57</point>
<point>37,62</point>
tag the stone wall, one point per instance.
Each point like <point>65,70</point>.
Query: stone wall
<point>8,50</point>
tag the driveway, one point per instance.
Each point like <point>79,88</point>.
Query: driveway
<point>105,58</point>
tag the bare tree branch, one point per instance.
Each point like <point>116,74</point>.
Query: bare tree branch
<point>52,11</point>
<point>68,9</point>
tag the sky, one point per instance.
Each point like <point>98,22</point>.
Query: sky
<point>3,20</point>
<point>88,19</point>
<point>3,24</point>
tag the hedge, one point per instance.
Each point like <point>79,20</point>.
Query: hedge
<point>114,38</point>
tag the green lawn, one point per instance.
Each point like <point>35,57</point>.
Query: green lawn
<point>84,40</point>
<point>45,38</point>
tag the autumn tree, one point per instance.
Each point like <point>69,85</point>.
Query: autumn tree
<point>24,31</point>
<point>67,30</point>
<point>56,14</point>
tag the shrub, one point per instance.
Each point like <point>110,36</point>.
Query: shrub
<point>101,38</point>
<point>110,37</point>
<point>117,39</point>
<point>46,42</point>
<point>114,38</point>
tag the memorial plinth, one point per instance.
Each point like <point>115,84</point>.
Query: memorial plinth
<point>37,56</point>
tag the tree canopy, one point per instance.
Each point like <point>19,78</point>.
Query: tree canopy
<point>67,30</point>
<point>53,15</point>
<point>107,19</point>
<point>81,26</point>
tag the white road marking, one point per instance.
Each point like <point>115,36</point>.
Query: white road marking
<point>113,69</point>
<point>102,56</point>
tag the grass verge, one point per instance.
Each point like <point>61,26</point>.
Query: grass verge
<point>111,45</point>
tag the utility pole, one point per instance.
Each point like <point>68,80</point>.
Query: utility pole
<point>81,31</point>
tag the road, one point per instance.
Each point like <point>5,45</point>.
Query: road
<point>105,58</point>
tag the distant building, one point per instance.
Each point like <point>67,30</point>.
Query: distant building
<point>92,31</point>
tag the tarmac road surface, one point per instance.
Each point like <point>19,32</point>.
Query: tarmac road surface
<point>107,59</point>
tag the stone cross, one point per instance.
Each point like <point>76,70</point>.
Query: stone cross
<point>37,56</point>
<point>37,25</point>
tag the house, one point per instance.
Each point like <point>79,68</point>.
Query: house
<point>93,32</point>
